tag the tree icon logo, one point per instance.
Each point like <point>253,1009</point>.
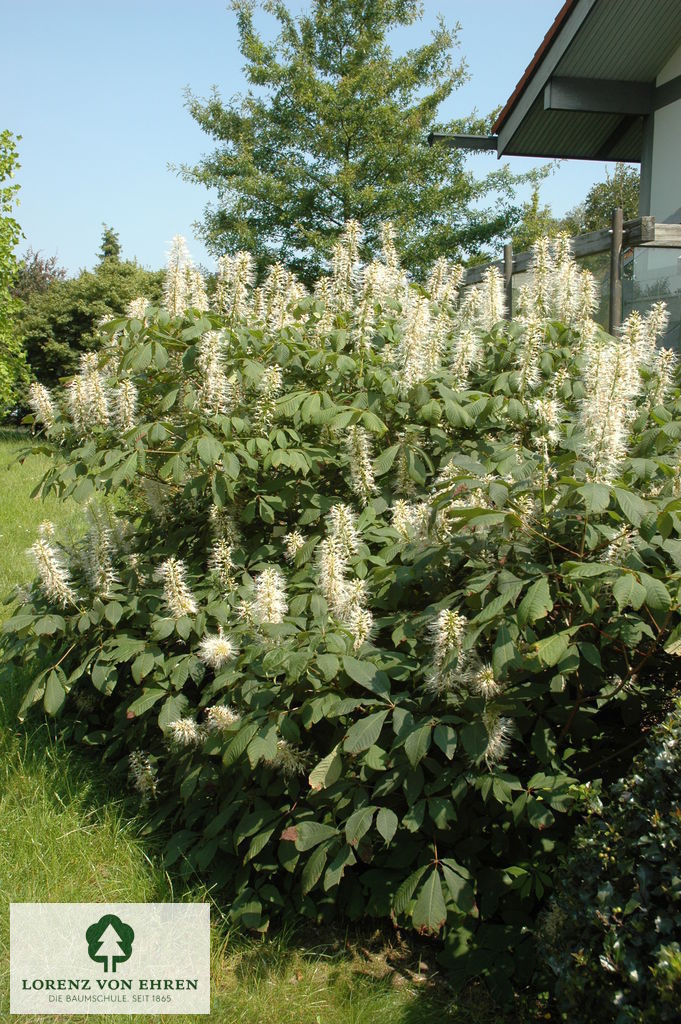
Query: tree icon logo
<point>109,941</point>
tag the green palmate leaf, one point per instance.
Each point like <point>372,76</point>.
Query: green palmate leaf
<point>445,738</point>
<point>596,497</point>
<point>658,597</point>
<point>336,869</point>
<point>430,912</point>
<point>385,460</point>
<point>239,742</point>
<point>537,602</point>
<point>147,700</point>
<point>310,833</point>
<point>327,771</point>
<point>475,739</point>
<point>386,823</point>
<point>633,507</point>
<point>209,450</point>
<point>586,570</point>
<point>328,665</point>
<point>55,695</point>
<point>364,733</point>
<point>417,743</point>
<point>358,824</point>
<point>459,885</point>
<point>407,889</point>
<point>627,591</point>
<point>173,709</point>
<point>552,648</point>
<point>313,869</point>
<point>263,747</point>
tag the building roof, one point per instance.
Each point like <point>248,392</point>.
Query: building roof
<point>601,58</point>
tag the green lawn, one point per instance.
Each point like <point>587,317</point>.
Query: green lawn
<point>64,836</point>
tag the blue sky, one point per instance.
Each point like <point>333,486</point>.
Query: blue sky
<point>95,88</point>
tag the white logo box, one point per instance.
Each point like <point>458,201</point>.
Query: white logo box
<point>114,958</point>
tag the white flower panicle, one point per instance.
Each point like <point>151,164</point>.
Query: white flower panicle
<point>40,401</point>
<point>664,366</point>
<point>274,301</point>
<point>498,739</point>
<point>619,547</point>
<point>410,519</point>
<point>493,300</point>
<point>144,774</point>
<point>53,574</point>
<point>342,525</point>
<point>419,351</point>
<point>527,359</point>
<point>215,391</point>
<point>235,279</point>
<point>217,649</point>
<point>76,404</point>
<point>269,603</point>
<point>184,732</point>
<point>484,683</point>
<point>656,322</point>
<point>293,542</point>
<point>288,761</point>
<point>125,405</point>
<point>612,382</point>
<point>220,717</point>
<point>177,596</point>
<point>447,634</point>
<point>196,290</point>
<point>332,567</point>
<point>466,355</point>
<point>444,281</point>
<point>175,288</point>
<point>98,551</point>
<point>220,562</point>
<point>358,450</point>
<point>269,387</point>
<point>365,318</point>
<point>542,269</point>
<point>137,308</point>
<point>345,266</point>
<point>360,623</point>
<point>222,525</point>
<point>87,397</point>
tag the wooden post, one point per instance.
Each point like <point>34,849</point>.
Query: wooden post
<point>508,279</point>
<point>616,270</point>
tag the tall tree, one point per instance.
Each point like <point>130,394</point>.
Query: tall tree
<point>35,274</point>
<point>110,248</point>
<point>13,373</point>
<point>620,189</point>
<point>334,126</point>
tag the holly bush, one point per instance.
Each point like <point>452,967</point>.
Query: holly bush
<point>611,935</point>
<point>372,578</point>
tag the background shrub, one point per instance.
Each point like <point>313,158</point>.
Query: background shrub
<point>372,577</point>
<point>612,933</point>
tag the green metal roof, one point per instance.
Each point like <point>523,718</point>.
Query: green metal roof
<point>608,40</point>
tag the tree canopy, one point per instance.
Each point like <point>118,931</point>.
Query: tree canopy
<point>60,318</point>
<point>334,127</point>
<point>110,248</point>
<point>12,361</point>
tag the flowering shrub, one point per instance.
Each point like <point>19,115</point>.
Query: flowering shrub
<point>611,934</point>
<point>384,574</point>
